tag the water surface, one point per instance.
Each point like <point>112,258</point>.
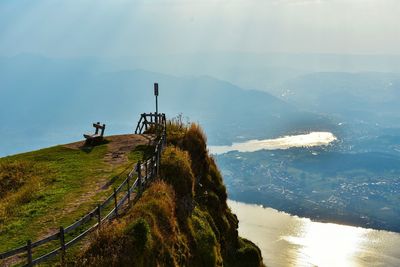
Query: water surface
<point>302,140</point>
<point>287,240</point>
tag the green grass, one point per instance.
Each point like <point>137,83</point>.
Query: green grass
<point>142,152</point>
<point>65,183</point>
<point>207,247</point>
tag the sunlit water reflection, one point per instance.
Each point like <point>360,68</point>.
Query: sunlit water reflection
<point>287,240</point>
<point>302,140</point>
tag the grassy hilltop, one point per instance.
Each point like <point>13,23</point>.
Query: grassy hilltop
<point>44,189</point>
<point>182,219</point>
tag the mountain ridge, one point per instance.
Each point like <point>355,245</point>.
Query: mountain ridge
<point>70,99</point>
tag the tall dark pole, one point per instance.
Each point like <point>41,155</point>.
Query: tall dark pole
<point>156,95</point>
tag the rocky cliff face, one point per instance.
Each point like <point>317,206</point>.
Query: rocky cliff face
<point>182,219</point>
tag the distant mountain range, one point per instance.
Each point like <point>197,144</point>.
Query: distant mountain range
<point>370,96</point>
<point>50,101</point>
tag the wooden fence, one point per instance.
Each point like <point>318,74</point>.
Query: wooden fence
<point>141,174</point>
<point>149,121</point>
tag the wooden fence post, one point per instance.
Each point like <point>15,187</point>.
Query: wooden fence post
<point>115,202</point>
<point>62,242</point>
<point>143,175</point>
<point>153,166</point>
<point>98,211</point>
<point>139,170</point>
<point>129,189</point>
<point>145,169</point>
<point>150,170</point>
<point>154,172</point>
<point>29,252</point>
<point>158,161</point>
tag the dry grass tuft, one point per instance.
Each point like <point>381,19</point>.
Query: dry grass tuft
<point>147,236</point>
<point>176,130</point>
<point>13,175</point>
<point>19,184</point>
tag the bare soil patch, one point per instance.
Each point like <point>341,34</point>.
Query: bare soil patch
<point>118,146</point>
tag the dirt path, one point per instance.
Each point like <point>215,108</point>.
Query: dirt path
<point>120,146</point>
<point>118,149</point>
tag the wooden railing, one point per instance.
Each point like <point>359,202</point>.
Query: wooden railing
<point>141,175</point>
<point>148,121</point>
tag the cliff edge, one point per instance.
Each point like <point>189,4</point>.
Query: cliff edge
<point>181,219</point>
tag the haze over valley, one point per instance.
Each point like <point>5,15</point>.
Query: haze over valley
<point>299,100</point>
<point>337,182</point>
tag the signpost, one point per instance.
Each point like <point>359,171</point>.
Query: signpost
<point>156,95</point>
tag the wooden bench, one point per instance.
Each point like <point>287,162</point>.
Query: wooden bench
<point>96,138</point>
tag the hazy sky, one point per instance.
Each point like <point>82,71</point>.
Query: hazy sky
<point>130,27</point>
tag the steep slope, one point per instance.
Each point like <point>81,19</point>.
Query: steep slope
<point>180,220</point>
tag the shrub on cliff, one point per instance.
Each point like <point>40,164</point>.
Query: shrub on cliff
<point>207,250</point>
<point>195,142</point>
<point>248,254</point>
<point>176,170</point>
<point>140,233</point>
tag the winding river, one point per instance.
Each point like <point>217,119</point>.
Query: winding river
<point>302,140</point>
